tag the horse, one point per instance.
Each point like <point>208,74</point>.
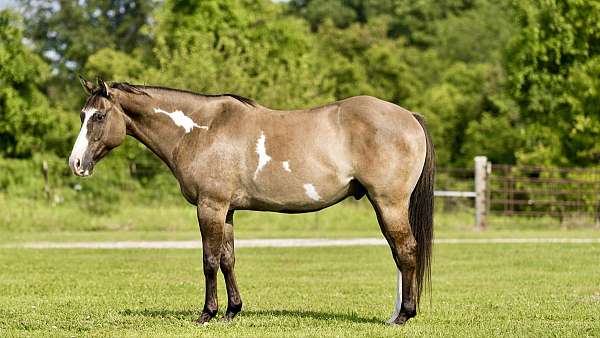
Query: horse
<point>230,153</point>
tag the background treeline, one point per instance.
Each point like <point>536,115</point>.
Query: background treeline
<point>517,81</point>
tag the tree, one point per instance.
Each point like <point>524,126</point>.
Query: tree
<point>447,59</point>
<point>553,69</point>
<point>26,120</point>
<point>66,33</point>
<point>246,47</point>
<point>478,34</point>
<point>342,13</point>
<point>413,20</point>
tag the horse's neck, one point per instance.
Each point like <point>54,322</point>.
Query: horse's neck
<point>148,124</point>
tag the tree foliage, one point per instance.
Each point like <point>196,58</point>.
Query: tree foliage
<point>227,47</point>
<point>24,109</point>
<point>553,65</point>
<point>516,81</point>
<point>68,32</point>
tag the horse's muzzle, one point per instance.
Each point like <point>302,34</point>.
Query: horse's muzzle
<point>80,167</point>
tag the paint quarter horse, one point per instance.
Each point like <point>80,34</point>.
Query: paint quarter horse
<point>229,153</point>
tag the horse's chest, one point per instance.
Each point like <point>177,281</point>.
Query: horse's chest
<point>200,182</point>
<point>206,172</point>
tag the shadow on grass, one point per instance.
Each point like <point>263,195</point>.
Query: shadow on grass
<point>315,315</point>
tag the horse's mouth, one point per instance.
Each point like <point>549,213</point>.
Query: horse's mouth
<point>83,172</point>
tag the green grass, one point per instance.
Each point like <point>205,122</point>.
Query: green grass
<point>36,220</point>
<point>478,290</point>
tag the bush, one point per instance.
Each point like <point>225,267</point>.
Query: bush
<point>112,182</point>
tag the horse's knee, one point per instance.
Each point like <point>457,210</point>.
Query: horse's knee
<point>211,264</point>
<point>227,261</point>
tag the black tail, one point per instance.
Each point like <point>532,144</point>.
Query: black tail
<point>420,213</point>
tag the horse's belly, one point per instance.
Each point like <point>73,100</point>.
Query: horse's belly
<point>288,193</point>
<point>299,162</point>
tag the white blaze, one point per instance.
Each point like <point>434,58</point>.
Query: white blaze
<point>181,120</point>
<point>261,150</point>
<point>81,144</point>
<point>398,305</point>
<point>286,166</point>
<point>311,192</point>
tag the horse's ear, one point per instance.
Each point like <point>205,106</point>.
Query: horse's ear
<point>89,86</point>
<point>104,88</point>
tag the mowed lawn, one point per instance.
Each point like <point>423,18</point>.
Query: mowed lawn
<point>478,290</point>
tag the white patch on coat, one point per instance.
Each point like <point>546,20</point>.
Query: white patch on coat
<point>311,192</point>
<point>398,305</point>
<point>81,144</point>
<point>261,150</point>
<point>181,120</point>
<point>286,166</point>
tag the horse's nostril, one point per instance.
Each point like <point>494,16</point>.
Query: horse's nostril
<point>77,163</point>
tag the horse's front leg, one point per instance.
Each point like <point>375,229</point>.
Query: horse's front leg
<point>234,300</point>
<point>211,217</point>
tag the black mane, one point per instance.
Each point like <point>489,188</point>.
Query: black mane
<point>139,90</point>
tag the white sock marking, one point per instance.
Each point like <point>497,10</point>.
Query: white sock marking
<point>398,305</point>
<point>261,150</point>
<point>81,143</point>
<point>286,166</point>
<point>181,120</point>
<point>311,192</point>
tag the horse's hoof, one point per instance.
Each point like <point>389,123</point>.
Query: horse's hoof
<point>228,316</point>
<point>232,311</point>
<point>400,320</point>
<point>403,317</point>
<point>204,318</point>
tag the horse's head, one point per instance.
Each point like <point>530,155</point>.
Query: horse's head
<point>102,128</point>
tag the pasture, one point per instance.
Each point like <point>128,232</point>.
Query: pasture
<point>511,84</point>
<point>479,290</point>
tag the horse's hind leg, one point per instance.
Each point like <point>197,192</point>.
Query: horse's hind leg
<point>234,300</point>
<point>393,217</point>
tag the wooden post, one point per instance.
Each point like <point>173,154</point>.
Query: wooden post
<point>481,171</point>
<point>46,180</point>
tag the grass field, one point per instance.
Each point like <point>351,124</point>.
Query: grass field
<point>35,220</point>
<point>478,290</point>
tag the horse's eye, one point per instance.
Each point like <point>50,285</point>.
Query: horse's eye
<point>100,117</point>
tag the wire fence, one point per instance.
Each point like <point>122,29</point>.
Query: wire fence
<point>550,195</point>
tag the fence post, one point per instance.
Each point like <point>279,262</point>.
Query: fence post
<point>46,179</point>
<point>481,171</point>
